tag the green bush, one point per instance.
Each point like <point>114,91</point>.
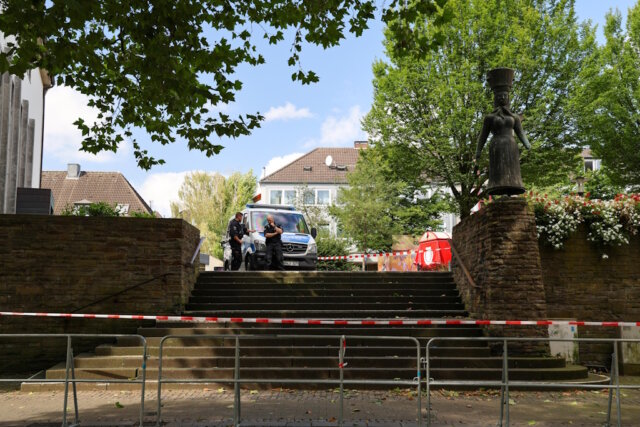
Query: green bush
<point>331,246</point>
<point>93,209</point>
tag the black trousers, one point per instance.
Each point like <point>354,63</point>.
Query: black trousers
<point>274,256</point>
<point>236,257</point>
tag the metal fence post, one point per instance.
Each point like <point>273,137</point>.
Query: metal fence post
<point>236,385</point>
<point>504,387</point>
<point>610,390</point>
<point>341,366</point>
<point>418,367</point>
<point>144,380</point>
<point>159,411</point>
<point>617,374</point>
<point>506,376</point>
<point>73,384</point>
<point>428,380</point>
<point>66,383</point>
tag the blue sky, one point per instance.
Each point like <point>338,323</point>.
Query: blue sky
<point>299,118</point>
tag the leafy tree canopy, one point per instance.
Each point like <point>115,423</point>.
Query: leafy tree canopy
<point>376,206</point>
<point>428,110</point>
<point>163,65</point>
<point>607,104</point>
<point>209,201</point>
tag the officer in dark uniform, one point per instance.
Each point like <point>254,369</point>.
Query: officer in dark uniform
<point>237,230</point>
<point>272,234</point>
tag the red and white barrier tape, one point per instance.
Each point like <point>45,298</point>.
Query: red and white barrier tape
<point>361,256</point>
<point>335,322</point>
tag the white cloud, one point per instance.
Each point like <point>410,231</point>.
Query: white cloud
<point>287,112</point>
<point>62,139</point>
<point>339,131</point>
<point>278,162</point>
<point>160,189</point>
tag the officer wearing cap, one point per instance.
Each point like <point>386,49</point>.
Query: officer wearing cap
<point>237,231</point>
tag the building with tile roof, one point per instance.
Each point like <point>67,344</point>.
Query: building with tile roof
<point>319,174</point>
<point>76,188</point>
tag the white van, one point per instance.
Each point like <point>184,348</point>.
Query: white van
<point>298,241</point>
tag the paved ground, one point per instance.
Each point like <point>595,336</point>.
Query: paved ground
<point>282,407</point>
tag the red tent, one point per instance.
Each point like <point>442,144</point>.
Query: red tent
<point>434,251</point>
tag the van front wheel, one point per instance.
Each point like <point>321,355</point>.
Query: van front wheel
<point>249,264</point>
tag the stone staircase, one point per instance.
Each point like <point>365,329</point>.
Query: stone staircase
<point>277,351</point>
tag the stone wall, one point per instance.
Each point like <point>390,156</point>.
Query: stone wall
<point>499,247</point>
<point>582,284</point>
<point>62,264</point>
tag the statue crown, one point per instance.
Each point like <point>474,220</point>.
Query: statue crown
<point>500,79</point>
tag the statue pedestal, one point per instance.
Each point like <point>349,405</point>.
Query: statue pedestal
<point>499,247</point>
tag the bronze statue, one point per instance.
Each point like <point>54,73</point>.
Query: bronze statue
<point>504,156</point>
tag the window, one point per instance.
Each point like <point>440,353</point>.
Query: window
<point>324,197</point>
<point>289,197</point>
<point>309,197</point>
<point>588,165</point>
<point>290,222</point>
<point>275,197</point>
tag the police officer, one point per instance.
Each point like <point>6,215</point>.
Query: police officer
<point>237,230</point>
<point>272,234</point>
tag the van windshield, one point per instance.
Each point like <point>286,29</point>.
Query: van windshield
<point>291,222</point>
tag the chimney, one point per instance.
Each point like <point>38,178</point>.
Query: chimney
<point>73,171</point>
<point>360,145</point>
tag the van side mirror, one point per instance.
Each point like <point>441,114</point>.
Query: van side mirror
<point>314,232</point>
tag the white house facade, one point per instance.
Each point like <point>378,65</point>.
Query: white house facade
<point>312,182</point>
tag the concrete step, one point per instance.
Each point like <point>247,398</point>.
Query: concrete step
<point>346,284</point>
<point>282,331</point>
<point>307,351</point>
<point>289,361</point>
<point>495,362</point>
<point>243,294</point>
<point>283,340</point>
<point>569,372</point>
<point>326,299</point>
<point>322,305</point>
<point>330,314</point>
<point>319,277</point>
<point>390,362</point>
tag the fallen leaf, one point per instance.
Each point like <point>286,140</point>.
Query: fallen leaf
<point>532,423</point>
<point>119,405</point>
<point>221,390</point>
<point>512,402</point>
<point>332,420</point>
<point>253,392</point>
<point>355,410</point>
<point>574,403</point>
<point>547,401</point>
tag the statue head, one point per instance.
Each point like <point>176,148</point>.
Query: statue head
<point>501,99</point>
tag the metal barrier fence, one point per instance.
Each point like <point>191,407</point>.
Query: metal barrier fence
<point>505,382</point>
<point>70,377</point>
<point>341,382</point>
<point>421,363</point>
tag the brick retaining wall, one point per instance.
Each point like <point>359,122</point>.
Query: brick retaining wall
<point>62,263</point>
<point>499,247</point>
<point>581,284</point>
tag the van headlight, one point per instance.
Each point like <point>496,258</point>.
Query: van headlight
<point>260,246</point>
<point>312,249</point>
